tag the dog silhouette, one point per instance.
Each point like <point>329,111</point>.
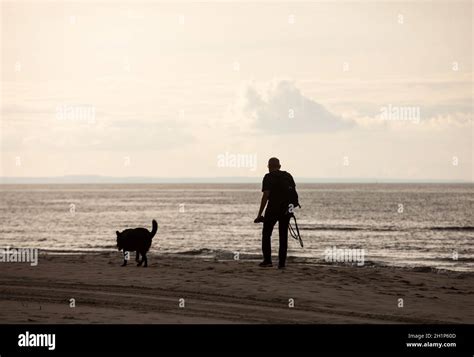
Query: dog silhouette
<point>136,240</point>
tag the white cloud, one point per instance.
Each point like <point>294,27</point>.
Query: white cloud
<point>282,108</point>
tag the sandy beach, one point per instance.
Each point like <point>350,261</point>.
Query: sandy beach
<point>226,292</point>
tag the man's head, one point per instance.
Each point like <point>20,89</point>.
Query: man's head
<point>273,164</point>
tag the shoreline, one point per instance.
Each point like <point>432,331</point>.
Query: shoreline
<point>227,255</point>
<point>226,291</point>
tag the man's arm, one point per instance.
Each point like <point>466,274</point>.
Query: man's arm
<point>263,203</point>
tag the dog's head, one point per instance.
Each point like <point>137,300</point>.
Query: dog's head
<point>119,240</point>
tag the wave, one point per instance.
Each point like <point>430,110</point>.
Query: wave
<point>453,228</point>
<point>347,228</point>
<point>385,229</point>
<point>459,259</point>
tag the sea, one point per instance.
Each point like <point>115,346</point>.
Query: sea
<point>413,226</point>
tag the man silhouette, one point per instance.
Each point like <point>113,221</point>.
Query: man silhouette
<point>275,191</point>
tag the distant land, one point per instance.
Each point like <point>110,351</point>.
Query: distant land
<point>91,179</point>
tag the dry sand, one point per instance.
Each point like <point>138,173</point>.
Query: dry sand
<point>226,292</point>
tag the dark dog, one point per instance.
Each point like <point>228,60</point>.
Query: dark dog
<point>136,240</point>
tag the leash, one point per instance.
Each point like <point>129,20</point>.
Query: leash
<point>294,231</point>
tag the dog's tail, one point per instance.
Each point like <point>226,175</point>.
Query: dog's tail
<point>154,229</point>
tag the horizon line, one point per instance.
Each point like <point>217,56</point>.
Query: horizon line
<point>98,179</point>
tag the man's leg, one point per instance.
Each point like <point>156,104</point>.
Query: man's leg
<point>268,224</point>
<point>283,223</point>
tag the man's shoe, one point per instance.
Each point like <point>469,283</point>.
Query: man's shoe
<point>281,266</point>
<point>265,265</point>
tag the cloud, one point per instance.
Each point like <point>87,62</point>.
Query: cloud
<point>282,108</point>
<point>426,116</point>
<point>427,110</point>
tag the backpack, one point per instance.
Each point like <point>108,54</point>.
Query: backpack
<point>291,195</point>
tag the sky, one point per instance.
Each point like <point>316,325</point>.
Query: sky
<point>378,90</point>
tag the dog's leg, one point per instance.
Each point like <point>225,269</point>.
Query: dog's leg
<point>144,259</point>
<point>137,256</point>
<point>124,260</point>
